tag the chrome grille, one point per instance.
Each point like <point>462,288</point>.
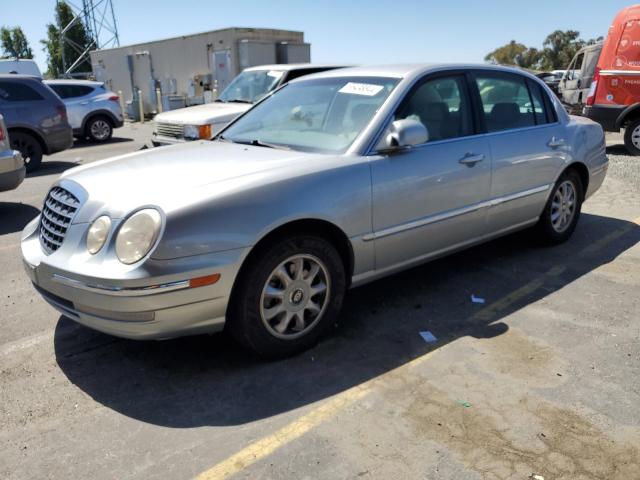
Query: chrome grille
<point>170,130</point>
<point>57,213</point>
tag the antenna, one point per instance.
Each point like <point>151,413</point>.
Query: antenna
<point>99,21</point>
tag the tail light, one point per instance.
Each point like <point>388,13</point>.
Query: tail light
<point>62,111</point>
<point>591,96</point>
<point>1,135</point>
<point>113,98</point>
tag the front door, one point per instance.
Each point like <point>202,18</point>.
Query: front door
<point>427,199</point>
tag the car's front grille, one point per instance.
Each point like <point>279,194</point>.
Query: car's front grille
<point>170,129</point>
<point>57,213</point>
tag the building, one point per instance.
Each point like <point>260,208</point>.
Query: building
<point>192,69</point>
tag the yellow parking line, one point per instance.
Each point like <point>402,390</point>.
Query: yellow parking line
<point>269,444</point>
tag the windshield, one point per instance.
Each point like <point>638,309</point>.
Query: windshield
<point>324,115</point>
<point>249,87</point>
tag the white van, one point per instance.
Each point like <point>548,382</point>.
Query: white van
<point>576,81</point>
<point>22,66</point>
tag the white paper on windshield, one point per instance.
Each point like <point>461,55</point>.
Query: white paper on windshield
<point>274,73</point>
<point>366,89</point>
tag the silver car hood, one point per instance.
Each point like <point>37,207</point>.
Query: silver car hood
<point>178,176</point>
<point>202,114</point>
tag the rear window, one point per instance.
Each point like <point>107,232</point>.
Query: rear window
<point>18,92</point>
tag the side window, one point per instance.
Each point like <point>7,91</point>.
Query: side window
<point>506,103</point>
<point>442,105</point>
<point>576,67</point>
<point>81,90</point>
<point>61,90</point>
<point>539,105</point>
<point>293,74</point>
<point>18,92</point>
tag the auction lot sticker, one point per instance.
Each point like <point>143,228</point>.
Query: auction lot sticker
<point>366,89</point>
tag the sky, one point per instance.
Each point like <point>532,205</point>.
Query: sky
<point>348,31</point>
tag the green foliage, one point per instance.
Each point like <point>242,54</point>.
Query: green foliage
<point>76,41</point>
<point>14,43</point>
<point>559,48</point>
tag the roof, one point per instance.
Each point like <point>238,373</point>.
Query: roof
<point>407,70</point>
<point>65,81</point>
<point>19,76</point>
<point>287,67</point>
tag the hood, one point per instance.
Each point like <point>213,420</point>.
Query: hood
<point>200,114</point>
<point>176,176</point>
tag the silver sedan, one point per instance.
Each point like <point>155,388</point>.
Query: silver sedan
<point>332,181</point>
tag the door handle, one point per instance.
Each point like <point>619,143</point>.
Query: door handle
<point>470,159</point>
<point>84,103</point>
<point>555,142</point>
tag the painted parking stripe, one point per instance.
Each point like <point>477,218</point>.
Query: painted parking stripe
<point>294,430</point>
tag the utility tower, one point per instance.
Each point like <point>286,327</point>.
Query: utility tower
<point>99,21</point>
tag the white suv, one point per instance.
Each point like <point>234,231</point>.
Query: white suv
<point>203,122</point>
<point>93,110</point>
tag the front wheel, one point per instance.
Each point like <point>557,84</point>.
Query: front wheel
<point>562,211</point>
<point>287,296</point>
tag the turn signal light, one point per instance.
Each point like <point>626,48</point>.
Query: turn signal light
<point>204,281</point>
<point>204,132</point>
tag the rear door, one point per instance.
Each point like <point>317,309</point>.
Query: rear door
<point>527,146</point>
<point>77,99</point>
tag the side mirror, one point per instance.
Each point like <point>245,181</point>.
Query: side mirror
<point>406,133</point>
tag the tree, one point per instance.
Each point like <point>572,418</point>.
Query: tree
<point>14,43</point>
<point>559,48</point>
<point>514,53</point>
<point>75,43</point>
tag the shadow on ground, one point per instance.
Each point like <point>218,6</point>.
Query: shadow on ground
<point>85,142</point>
<point>208,380</point>
<point>52,167</point>
<point>15,216</point>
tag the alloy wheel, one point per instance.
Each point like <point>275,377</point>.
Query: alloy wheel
<point>563,206</point>
<point>100,129</point>
<point>295,296</point>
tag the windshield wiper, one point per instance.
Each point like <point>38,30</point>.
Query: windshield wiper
<point>238,100</point>
<point>258,143</point>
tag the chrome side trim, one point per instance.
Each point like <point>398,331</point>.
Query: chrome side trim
<point>632,73</point>
<point>454,213</point>
<point>121,291</point>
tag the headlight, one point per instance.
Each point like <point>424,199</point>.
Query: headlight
<point>98,233</point>
<point>137,235</point>
<point>198,131</point>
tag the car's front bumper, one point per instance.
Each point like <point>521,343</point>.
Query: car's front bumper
<point>12,170</point>
<point>153,302</point>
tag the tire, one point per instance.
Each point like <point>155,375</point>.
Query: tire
<point>262,289</point>
<point>99,129</point>
<point>29,147</point>
<point>632,137</point>
<point>562,211</point>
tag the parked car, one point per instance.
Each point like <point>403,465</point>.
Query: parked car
<point>93,110</point>
<point>203,122</point>
<point>35,117</point>
<point>552,79</point>
<point>333,181</point>
<point>614,96</point>
<point>576,82</point>
<point>20,66</point>
<point>12,169</point>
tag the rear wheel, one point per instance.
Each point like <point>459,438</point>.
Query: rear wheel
<point>287,297</point>
<point>29,147</point>
<point>561,214</point>
<point>99,129</point>
<point>632,137</point>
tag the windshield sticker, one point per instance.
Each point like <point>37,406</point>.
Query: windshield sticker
<point>366,89</point>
